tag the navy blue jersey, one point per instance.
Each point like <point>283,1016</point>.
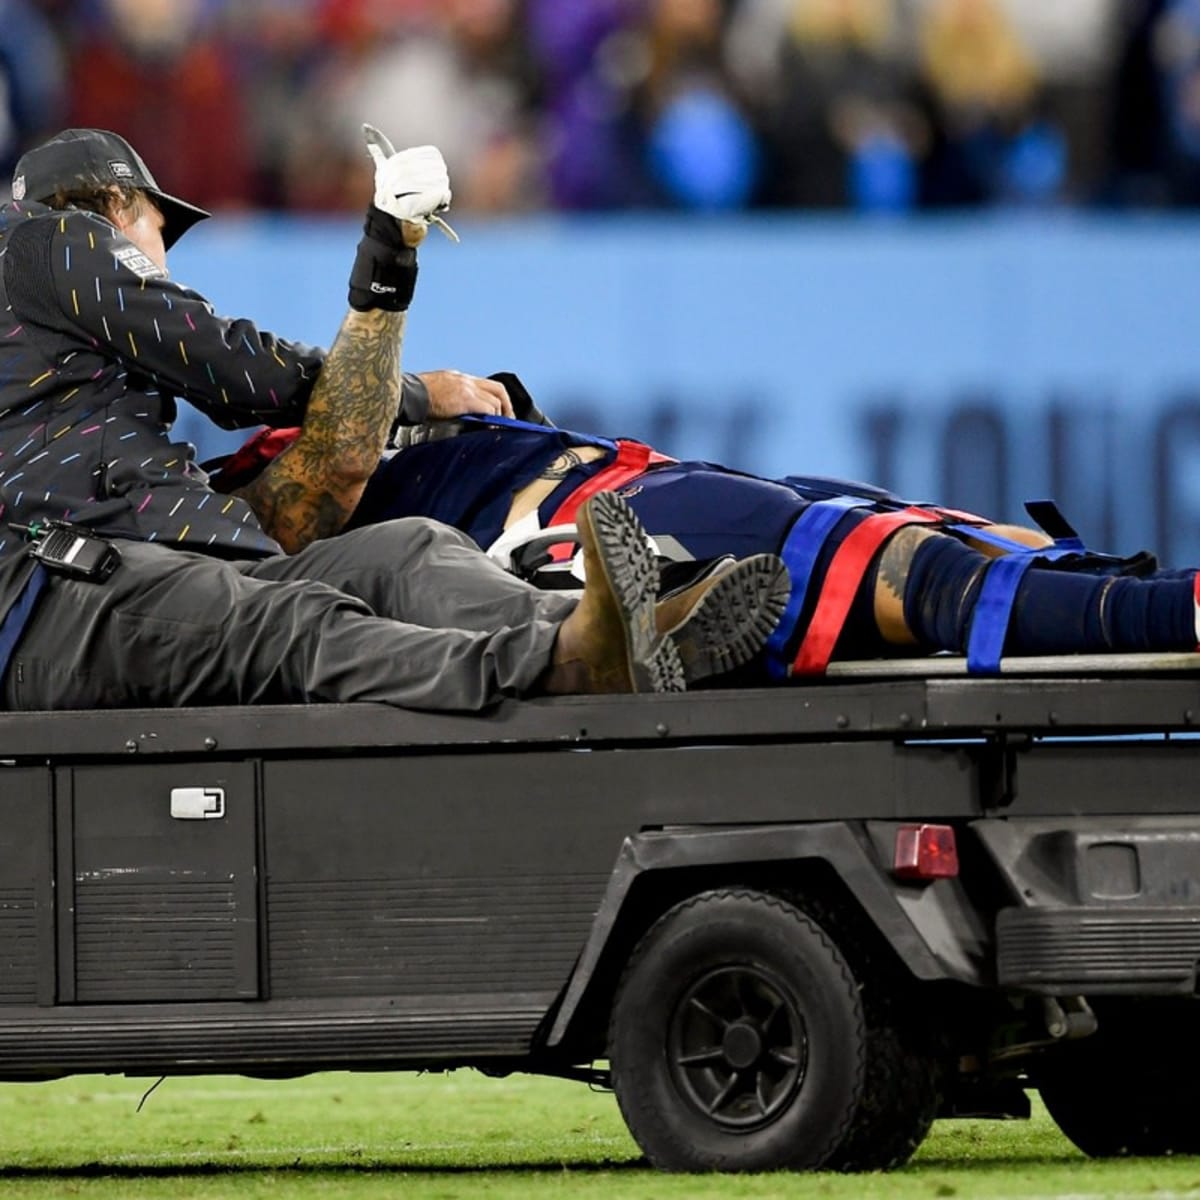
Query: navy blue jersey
<point>699,509</point>
<point>466,481</point>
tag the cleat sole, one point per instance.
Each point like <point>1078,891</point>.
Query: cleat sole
<point>653,662</point>
<point>732,621</point>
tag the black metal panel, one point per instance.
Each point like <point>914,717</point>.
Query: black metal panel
<point>1122,860</point>
<point>386,877</point>
<point>418,937</point>
<point>766,713</point>
<point>164,909</point>
<point>64,873</point>
<point>402,878</point>
<point>935,782</point>
<point>203,1038</point>
<point>1090,779</point>
<point>1099,951</point>
<point>487,809</point>
<point>26,888</point>
<point>1050,705</point>
<point>1099,904</point>
<point>820,710</point>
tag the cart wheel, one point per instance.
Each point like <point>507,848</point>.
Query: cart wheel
<point>1111,1105</point>
<point>903,1086</point>
<point>737,1039</point>
<point>901,1092</point>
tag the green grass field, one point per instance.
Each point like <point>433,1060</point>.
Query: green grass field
<point>461,1134</point>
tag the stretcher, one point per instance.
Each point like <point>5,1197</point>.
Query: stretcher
<point>790,927</point>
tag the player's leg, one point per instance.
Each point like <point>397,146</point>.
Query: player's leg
<point>699,512</point>
<point>926,584</point>
<point>1035,539</point>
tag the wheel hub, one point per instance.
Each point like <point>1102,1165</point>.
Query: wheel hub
<point>738,1046</point>
<point>742,1045</point>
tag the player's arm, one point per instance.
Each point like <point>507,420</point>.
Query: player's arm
<point>310,490</point>
<point>312,487</point>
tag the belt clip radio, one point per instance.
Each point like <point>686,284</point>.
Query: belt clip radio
<point>72,550</point>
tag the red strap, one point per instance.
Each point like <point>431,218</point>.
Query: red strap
<point>245,463</point>
<point>631,460</point>
<point>1196,606</point>
<point>957,514</point>
<point>842,579</point>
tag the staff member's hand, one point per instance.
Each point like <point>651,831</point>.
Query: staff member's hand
<point>451,394</point>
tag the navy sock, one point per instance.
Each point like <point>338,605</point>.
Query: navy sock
<point>939,594</point>
<point>1054,612</point>
<point>1154,613</point>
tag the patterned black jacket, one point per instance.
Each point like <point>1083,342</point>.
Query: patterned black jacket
<point>96,346</point>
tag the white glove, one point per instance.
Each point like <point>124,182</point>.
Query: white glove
<point>410,185</point>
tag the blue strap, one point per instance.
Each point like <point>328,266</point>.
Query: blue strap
<point>799,552</point>
<point>18,615</point>
<point>993,608</point>
<point>579,439</point>
<point>992,539</point>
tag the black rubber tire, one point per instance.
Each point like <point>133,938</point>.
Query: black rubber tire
<point>1116,1101</point>
<point>902,1091</point>
<point>779,1086</point>
<point>906,1056</point>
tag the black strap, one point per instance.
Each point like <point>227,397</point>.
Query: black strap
<point>1047,515</point>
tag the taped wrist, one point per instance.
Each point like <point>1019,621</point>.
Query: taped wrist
<point>384,274</point>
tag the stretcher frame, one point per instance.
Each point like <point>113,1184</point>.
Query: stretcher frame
<point>908,697</point>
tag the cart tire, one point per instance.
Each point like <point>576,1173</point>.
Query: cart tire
<point>907,1056</point>
<point>901,1093</point>
<point>1111,1106</point>
<point>737,1040</point>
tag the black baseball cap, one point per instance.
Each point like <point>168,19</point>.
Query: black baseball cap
<point>79,156</point>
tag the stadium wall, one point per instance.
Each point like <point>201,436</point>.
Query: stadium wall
<point>979,361</point>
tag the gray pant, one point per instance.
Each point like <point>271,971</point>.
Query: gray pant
<point>408,612</point>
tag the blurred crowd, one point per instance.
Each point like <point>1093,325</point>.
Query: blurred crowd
<point>710,105</point>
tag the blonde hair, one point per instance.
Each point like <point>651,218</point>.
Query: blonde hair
<point>99,197</point>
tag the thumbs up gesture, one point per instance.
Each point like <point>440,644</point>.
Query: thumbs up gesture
<point>411,185</point>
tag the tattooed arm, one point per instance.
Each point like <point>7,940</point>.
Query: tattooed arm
<point>310,490</point>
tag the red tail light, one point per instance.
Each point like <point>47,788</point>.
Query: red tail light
<point>925,852</point>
